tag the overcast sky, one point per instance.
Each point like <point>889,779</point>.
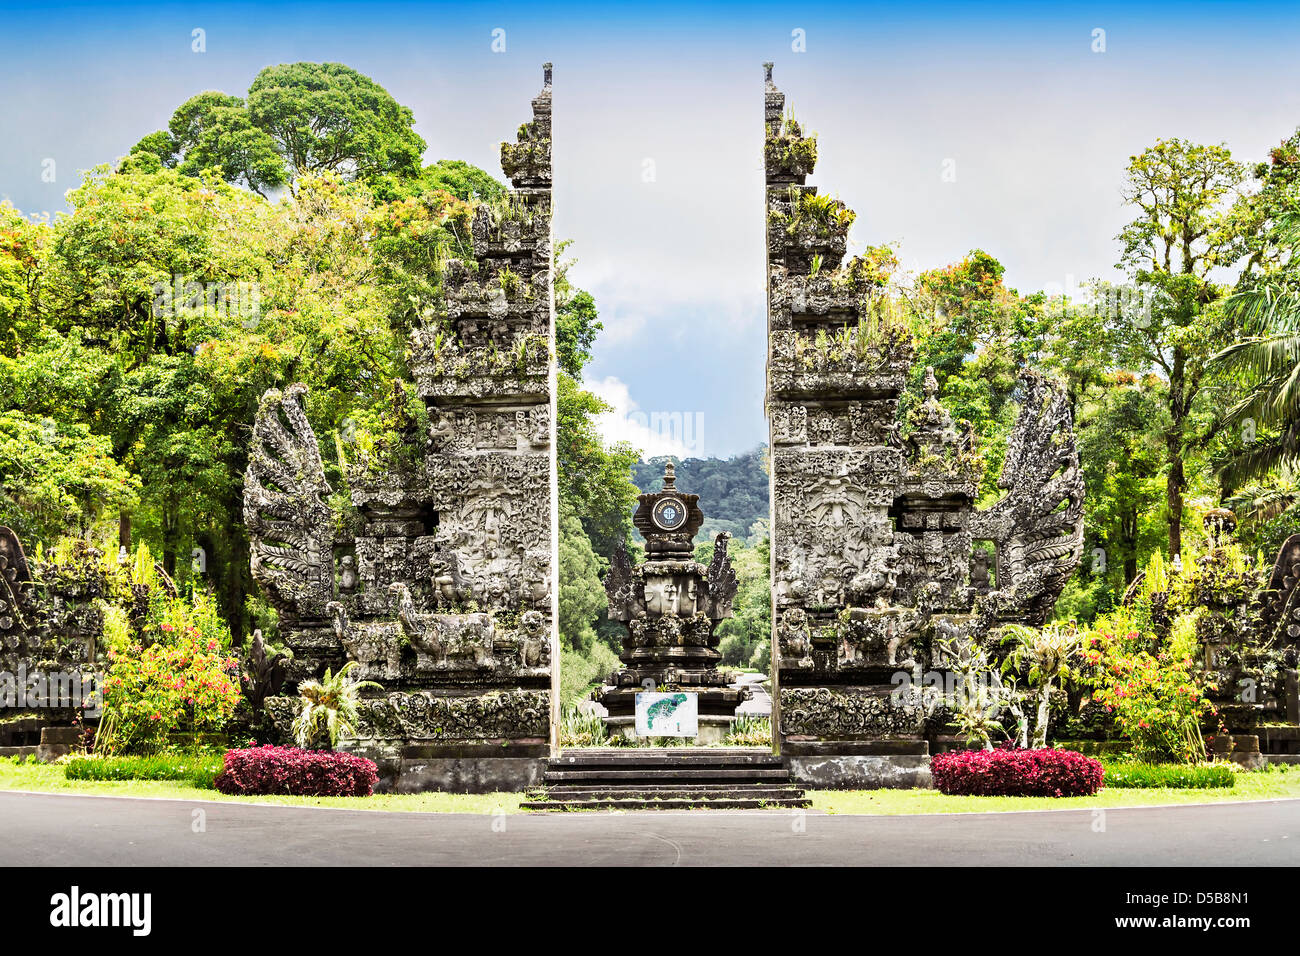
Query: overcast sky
<point>658,137</point>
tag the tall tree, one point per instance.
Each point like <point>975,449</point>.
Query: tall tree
<point>582,598</point>
<point>1267,362</point>
<point>214,131</point>
<point>1121,424</point>
<point>1184,231</point>
<point>298,119</point>
<point>329,117</point>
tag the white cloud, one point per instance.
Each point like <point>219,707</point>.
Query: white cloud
<point>670,432</point>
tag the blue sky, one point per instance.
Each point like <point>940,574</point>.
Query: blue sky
<point>1037,125</point>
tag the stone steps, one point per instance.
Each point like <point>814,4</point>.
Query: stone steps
<point>667,756</point>
<point>1280,740</point>
<point>717,802</point>
<point>667,779</point>
<point>661,774</point>
<point>755,791</point>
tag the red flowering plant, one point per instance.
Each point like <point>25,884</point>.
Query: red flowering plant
<point>1151,685</point>
<point>314,773</point>
<point>1013,772</point>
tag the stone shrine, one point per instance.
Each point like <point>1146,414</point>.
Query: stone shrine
<point>443,591</point>
<point>671,606</point>
<point>878,550</point>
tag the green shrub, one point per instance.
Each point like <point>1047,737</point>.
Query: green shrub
<point>581,671</point>
<point>180,683</point>
<point>195,768</point>
<point>171,671</point>
<point>734,650</point>
<point>204,774</point>
<point>1151,685</point>
<point>578,729</point>
<point>750,730</point>
<point>1175,776</point>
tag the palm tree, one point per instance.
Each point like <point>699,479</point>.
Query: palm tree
<point>1259,502</point>
<point>328,707</point>
<point>1046,651</point>
<point>1269,362</point>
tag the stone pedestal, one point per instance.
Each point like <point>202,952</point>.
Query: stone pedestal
<point>57,742</point>
<point>1245,751</point>
<point>713,729</point>
<point>671,606</point>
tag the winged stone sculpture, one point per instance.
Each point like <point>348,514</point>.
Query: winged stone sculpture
<point>1038,527</point>
<point>289,523</point>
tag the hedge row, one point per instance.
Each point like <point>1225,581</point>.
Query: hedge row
<point>198,769</point>
<point>1016,773</point>
<point>288,770</point>
<point>1177,776</point>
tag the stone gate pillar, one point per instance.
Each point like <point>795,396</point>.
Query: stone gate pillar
<point>444,594</point>
<point>878,552</point>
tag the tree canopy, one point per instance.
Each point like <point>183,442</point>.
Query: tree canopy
<point>298,119</point>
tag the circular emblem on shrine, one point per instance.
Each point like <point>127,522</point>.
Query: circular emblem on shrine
<point>669,514</point>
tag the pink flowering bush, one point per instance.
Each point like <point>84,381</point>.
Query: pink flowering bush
<point>168,667</point>
<point>183,682</point>
<point>309,773</point>
<point>1152,686</point>
<point>1008,772</point>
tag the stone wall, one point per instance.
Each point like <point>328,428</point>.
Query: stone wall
<point>51,629</point>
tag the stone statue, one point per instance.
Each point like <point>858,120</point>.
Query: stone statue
<point>347,574</point>
<point>289,524</point>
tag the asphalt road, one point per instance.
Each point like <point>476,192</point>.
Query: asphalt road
<point>54,829</point>
<point>760,704</point>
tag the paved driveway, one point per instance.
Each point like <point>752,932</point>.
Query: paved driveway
<point>56,829</point>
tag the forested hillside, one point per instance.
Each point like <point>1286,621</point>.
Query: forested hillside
<point>733,491</point>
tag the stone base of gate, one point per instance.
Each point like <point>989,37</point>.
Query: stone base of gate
<point>459,768</point>
<point>858,764</point>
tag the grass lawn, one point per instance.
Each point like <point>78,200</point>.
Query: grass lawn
<point>1282,781</point>
<point>49,778</point>
<point>1272,784</point>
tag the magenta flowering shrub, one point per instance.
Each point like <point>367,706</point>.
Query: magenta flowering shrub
<point>310,773</point>
<point>1008,772</point>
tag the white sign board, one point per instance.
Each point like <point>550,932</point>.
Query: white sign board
<point>667,715</point>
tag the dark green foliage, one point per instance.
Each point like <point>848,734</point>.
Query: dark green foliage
<point>576,328</point>
<point>327,116</point>
<point>298,119</point>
